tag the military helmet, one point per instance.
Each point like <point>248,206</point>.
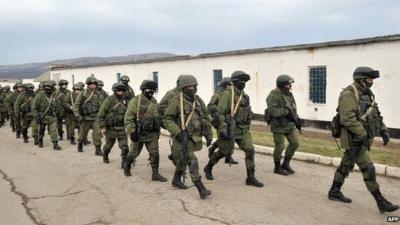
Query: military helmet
<point>364,72</point>
<point>187,80</point>
<point>284,79</point>
<point>100,83</point>
<point>29,86</point>
<point>178,80</point>
<point>240,76</point>
<point>18,85</point>
<point>125,78</point>
<point>48,84</point>
<point>118,87</point>
<point>81,84</point>
<point>91,79</point>
<point>77,87</point>
<point>52,83</point>
<point>148,84</point>
<point>225,81</point>
<point>62,82</point>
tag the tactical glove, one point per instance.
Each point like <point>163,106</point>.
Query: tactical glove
<point>385,136</point>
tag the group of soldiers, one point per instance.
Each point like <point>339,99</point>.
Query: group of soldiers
<point>188,120</point>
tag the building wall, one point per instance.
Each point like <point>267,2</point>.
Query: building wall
<point>340,63</point>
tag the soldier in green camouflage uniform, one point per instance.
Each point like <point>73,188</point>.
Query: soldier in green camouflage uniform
<point>46,108</point>
<point>23,112</point>
<point>241,111</point>
<point>165,101</point>
<point>195,124</point>
<point>213,111</point>
<point>129,93</point>
<point>10,102</point>
<point>86,108</point>
<point>60,94</point>
<point>3,108</point>
<point>143,123</point>
<point>7,93</point>
<point>40,88</point>
<point>111,119</point>
<point>100,86</point>
<point>280,101</point>
<point>360,121</point>
<point>70,120</point>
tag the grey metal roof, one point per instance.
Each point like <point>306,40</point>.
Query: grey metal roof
<point>360,41</point>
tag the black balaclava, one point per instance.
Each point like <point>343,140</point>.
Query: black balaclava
<point>190,92</point>
<point>148,93</point>
<point>239,84</point>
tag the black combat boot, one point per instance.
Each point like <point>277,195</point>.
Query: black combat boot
<point>208,171</point>
<point>176,180</point>
<point>124,155</point>
<point>56,146</point>
<point>232,161</point>
<point>72,141</point>
<point>203,192</point>
<point>251,180</point>
<point>86,142</point>
<point>106,160</point>
<point>80,147</point>
<point>98,151</point>
<point>13,129</point>
<point>155,163</point>
<point>61,137</point>
<point>286,165</point>
<point>336,195</point>
<point>35,140</point>
<point>127,167</point>
<point>279,170</point>
<point>25,135</point>
<point>40,144</point>
<point>18,134</point>
<point>383,204</point>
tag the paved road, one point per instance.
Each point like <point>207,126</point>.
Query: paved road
<point>42,186</point>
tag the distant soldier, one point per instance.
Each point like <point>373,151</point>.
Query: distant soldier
<point>213,111</point>
<point>85,141</point>
<point>81,84</point>
<point>23,112</point>
<point>234,126</point>
<point>186,118</point>
<point>360,121</point>
<point>60,94</point>
<point>166,100</point>
<point>3,108</point>
<point>283,112</point>
<point>143,123</point>
<point>111,119</point>
<point>129,94</point>
<point>46,108</point>
<point>70,120</point>
<point>40,88</point>
<point>100,86</point>
<point>7,93</point>
<point>10,102</point>
<point>86,108</point>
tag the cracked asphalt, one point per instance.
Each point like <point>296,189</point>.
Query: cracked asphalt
<point>42,186</point>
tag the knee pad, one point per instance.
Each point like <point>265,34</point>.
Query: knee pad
<point>344,170</point>
<point>250,153</point>
<point>194,166</point>
<point>369,172</point>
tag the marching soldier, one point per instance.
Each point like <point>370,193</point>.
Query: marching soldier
<point>86,108</point>
<point>129,94</point>
<point>360,121</point>
<point>234,124</point>
<point>46,108</point>
<point>186,118</point>
<point>60,94</point>
<point>143,123</point>
<point>3,108</point>
<point>100,86</point>
<point>213,111</point>
<point>111,119</point>
<point>23,112</point>
<point>10,102</point>
<point>70,120</point>
<point>283,113</point>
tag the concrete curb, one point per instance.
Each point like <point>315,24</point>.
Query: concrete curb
<point>381,169</point>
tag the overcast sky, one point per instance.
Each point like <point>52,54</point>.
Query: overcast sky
<point>42,30</point>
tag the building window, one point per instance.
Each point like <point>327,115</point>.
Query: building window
<point>118,77</point>
<point>217,78</point>
<point>317,79</point>
<point>155,77</point>
<point>73,79</point>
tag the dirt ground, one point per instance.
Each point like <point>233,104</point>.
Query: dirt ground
<point>42,186</point>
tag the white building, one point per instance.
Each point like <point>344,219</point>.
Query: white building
<point>320,72</point>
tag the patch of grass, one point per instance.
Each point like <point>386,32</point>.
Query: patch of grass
<point>324,145</point>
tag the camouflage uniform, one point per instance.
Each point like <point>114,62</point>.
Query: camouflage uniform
<point>23,112</point>
<point>196,124</point>
<point>143,122</point>
<point>46,109</point>
<point>101,91</point>
<point>279,102</point>
<point>129,93</point>
<point>360,121</point>
<point>87,106</point>
<point>10,102</point>
<point>3,108</point>
<point>111,119</point>
<point>240,132</point>
<point>70,120</point>
<point>60,94</point>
